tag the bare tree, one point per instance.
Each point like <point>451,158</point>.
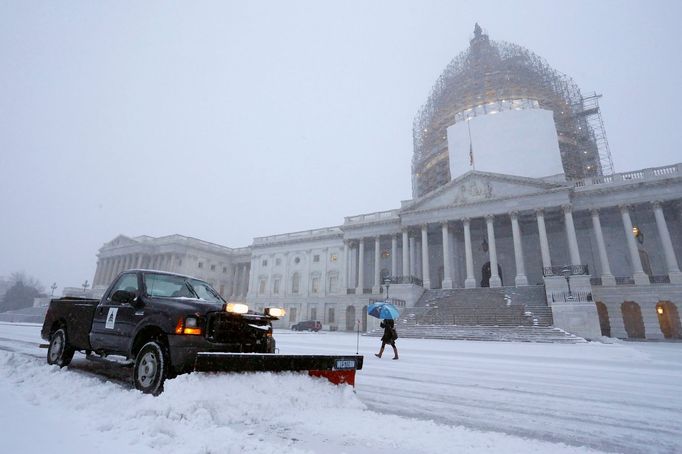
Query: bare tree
<point>23,290</point>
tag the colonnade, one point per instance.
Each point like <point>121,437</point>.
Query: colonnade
<point>108,268</point>
<point>410,266</point>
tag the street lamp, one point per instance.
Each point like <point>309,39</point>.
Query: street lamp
<point>53,287</point>
<point>387,284</point>
<point>85,285</point>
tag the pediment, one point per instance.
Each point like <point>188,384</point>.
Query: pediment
<point>477,187</point>
<point>121,240</point>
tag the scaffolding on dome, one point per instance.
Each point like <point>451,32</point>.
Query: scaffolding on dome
<point>506,76</point>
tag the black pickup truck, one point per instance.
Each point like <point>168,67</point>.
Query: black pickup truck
<point>167,324</point>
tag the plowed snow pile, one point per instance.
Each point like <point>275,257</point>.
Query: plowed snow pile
<point>52,410</point>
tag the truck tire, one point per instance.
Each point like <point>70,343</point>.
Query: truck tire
<point>59,352</point>
<point>151,368</point>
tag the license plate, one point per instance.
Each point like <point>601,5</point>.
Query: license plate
<point>345,364</point>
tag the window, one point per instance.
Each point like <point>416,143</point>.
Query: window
<point>333,258</point>
<point>200,264</point>
<point>264,262</point>
<point>333,283</point>
<point>222,289</point>
<point>316,285</point>
<point>180,262</point>
<point>224,269</point>
<point>261,286</point>
<point>212,267</point>
<point>127,282</point>
<point>278,261</point>
<point>330,315</point>
<point>292,314</point>
<point>295,282</point>
<point>316,258</point>
<point>275,286</point>
<point>313,313</point>
<point>297,260</point>
<point>385,253</point>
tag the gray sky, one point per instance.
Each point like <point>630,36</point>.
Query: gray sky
<point>230,120</point>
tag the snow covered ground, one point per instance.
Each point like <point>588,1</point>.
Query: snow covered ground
<point>441,396</point>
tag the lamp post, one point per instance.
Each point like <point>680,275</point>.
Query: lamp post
<point>85,285</point>
<point>53,287</point>
<point>387,284</point>
<point>566,272</point>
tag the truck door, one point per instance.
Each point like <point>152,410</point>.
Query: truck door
<point>114,322</point>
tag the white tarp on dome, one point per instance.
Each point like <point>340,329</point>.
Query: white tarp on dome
<point>514,142</point>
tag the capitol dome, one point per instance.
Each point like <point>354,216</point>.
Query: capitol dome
<point>494,77</point>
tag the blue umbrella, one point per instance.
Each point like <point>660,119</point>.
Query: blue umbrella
<point>383,311</point>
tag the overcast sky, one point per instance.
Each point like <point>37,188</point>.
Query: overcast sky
<point>226,121</point>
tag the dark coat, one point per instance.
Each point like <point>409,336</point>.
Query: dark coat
<point>390,334</point>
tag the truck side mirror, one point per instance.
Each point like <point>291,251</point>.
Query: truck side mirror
<point>123,297</point>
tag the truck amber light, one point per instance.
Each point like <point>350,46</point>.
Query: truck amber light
<point>237,308</point>
<point>193,331</point>
<point>275,311</point>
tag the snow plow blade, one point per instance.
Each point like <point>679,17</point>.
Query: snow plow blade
<point>336,369</point>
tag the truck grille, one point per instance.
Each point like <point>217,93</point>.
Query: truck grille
<point>244,332</point>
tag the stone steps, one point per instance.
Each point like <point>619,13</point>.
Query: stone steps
<point>510,306</point>
<point>544,334</point>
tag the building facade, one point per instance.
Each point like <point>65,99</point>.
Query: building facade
<point>605,247</point>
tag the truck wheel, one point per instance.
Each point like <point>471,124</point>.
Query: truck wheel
<point>151,368</point>
<point>59,352</point>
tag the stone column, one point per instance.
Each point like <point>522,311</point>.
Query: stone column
<point>447,272</point>
<point>346,261</point>
<point>377,265</point>
<point>245,281</point>
<point>361,267</point>
<point>406,254</point>
<point>394,253</point>
<point>413,267</point>
<point>235,275</point>
<point>638,273</point>
<point>470,281</point>
<point>667,244</point>
<point>521,278</point>
<point>425,257</point>
<point>109,272</point>
<point>98,272</point>
<point>139,261</point>
<point>571,236</point>
<point>607,278</point>
<point>455,262</point>
<point>544,244</point>
<point>495,280</point>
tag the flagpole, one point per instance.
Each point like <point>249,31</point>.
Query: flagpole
<point>471,147</point>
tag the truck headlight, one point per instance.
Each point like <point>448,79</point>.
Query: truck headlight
<point>275,311</point>
<point>237,308</point>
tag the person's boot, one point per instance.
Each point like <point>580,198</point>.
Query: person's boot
<point>381,352</point>
<point>395,352</point>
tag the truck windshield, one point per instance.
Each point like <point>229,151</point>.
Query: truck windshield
<point>169,286</point>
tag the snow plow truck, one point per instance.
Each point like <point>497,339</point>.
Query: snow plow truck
<point>164,324</point>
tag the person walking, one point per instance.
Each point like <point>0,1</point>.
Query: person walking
<point>389,337</point>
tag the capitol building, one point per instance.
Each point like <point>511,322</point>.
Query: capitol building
<point>516,218</point>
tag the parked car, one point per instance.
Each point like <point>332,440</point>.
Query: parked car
<point>308,325</point>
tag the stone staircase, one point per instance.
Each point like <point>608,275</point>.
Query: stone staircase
<point>513,314</point>
<point>544,334</point>
<point>503,306</point>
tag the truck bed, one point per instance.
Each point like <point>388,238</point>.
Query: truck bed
<point>77,313</point>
